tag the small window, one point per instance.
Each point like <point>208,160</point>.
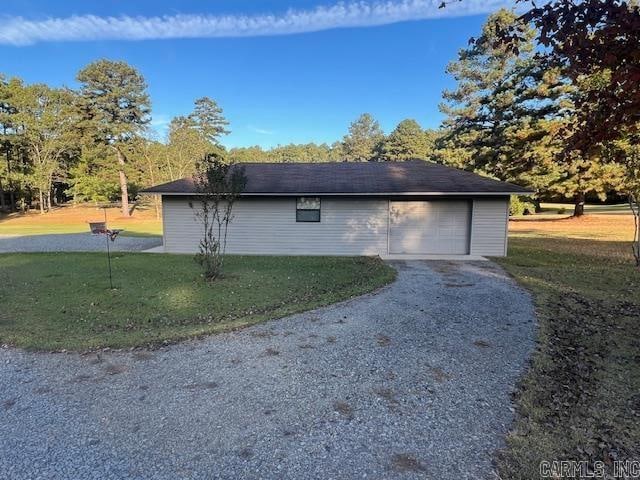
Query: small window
<point>308,209</point>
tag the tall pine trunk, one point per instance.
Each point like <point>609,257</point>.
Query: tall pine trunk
<point>578,209</point>
<point>124,191</point>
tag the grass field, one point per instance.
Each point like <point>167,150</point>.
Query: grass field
<point>143,222</point>
<point>63,301</point>
<point>606,236</point>
<point>567,208</point>
<point>75,219</point>
<point>557,211</point>
<point>580,400</point>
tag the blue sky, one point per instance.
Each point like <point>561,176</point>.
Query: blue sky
<point>283,71</point>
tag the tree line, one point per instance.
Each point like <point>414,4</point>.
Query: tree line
<point>94,144</point>
<point>513,115</point>
<point>365,141</point>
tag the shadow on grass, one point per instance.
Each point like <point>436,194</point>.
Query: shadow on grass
<point>63,300</point>
<point>541,249</point>
<point>534,218</point>
<point>578,399</point>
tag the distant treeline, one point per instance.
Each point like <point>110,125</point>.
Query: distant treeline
<point>93,144</point>
<point>508,118</point>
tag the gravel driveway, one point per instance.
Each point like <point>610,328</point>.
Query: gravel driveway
<point>73,242</point>
<point>410,382</point>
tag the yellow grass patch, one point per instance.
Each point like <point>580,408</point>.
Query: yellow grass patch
<point>594,235</point>
<point>75,219</point>
<point>594,227</point>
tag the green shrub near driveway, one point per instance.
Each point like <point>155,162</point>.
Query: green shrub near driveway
<point>54,301</point>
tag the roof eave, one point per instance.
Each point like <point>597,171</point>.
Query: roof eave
<point>351,194</point>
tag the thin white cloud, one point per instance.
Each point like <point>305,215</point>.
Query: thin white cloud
<point>160,120</point>
<point>23,31</point>
<point>261,131</point>
<point>159,125</point>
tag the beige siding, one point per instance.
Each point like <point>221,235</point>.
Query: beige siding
<point>489,227</point>
<point>347,227</point>
<point>430,227</point>
<point>268,226</point>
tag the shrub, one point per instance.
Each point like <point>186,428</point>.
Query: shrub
<point>219,185</point>
<point>521,206</point>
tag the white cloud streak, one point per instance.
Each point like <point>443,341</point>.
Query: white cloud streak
<point>261,131</point>
<point>19,31</point>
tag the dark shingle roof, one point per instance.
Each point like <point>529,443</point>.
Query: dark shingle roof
<point>352,178</point>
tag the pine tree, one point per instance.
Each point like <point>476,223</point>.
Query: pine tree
<point>480,111</point>
<point>12,171</point>
<point>587,38</point>
<point>208,119</point>
<point>407,141</point>
<point>509,116</point>
<point>364,139</point>
<point>115,107</point>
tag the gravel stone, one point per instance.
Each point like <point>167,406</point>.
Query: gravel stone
<point>404,391</point>
<point>74,242</point>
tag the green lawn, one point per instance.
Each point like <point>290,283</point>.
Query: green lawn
<point>580,399</point>
<point>53,301</point>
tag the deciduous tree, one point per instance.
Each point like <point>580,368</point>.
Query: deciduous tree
<point>219,184</point>
<point>151,158</point>
<point>626,152</point>
<point>94,177</point>
<point>186,145</point>
<point>308,152</point>
<point>191,137</point>
<point>46,120</point>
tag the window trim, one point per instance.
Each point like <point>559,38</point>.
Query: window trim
<point>319,210</point>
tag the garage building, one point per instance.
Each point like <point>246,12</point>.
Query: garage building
<point>411,209</point>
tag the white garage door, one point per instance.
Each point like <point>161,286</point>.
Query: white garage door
<point>434,227</point>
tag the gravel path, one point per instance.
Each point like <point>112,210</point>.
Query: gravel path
<point>73,242</point>
<point>410,382</point>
